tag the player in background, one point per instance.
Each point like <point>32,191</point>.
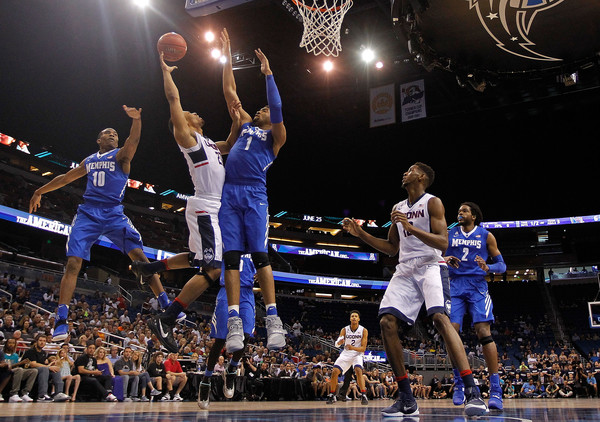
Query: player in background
<point>101,212</point>
<point>218,331</point>
<point>470,245</point>
<point>207,172</point>
<point>244,214</point>
<point>354,339</point>
<point>418,235</point>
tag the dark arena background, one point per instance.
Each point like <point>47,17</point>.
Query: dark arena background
<point>500,98</point>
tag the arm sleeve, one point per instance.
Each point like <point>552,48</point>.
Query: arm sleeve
<point>498,266</point>
<point>274,100</point>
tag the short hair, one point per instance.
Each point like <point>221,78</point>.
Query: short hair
<point>475,210</point>
<point>354,311</point>
<point>428,172</point>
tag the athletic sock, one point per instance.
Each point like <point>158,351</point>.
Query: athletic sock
<point>62,312</point>
<point>404,384</point>
<point>156,266</point>
<point>467,377</point>
<point>175,308</point>
<point>271,309</point>
<point>233,311</point>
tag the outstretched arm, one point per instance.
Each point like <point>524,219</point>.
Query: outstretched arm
<point>126,153</point>
<point>234,111</point>
<point>229,87</point>
<point>56,183</point>
<point>181,132</point>
<point>277,127</point>
<point>388,246</point>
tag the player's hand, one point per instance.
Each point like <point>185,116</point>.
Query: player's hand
<point>134,113</point>
<point>481,262</point>
<point>234,111</point>
<point>35,202</point>
<point>225,43</point>
<point>351,226</point>
<point>164,66</point>
<point>264,62</point>
<point>452,261</point>
<point>400,217</point>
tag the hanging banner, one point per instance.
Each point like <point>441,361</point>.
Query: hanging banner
<point>383,106</point>
<point>412,96</point>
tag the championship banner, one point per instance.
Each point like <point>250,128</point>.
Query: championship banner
<point>412,97</point>
<point>382,106</point>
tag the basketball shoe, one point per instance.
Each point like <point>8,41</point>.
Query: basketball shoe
<point>139,270</point>
<point>235,334</point>
<point>275,332</point>
<point>331,398</point>
<point>162,327</point>
<point>61,326</point>
<point>405,405</point>
<point>474,404</point>
<point>204,395</point>
<point>495,401</point>
<point>363,399</point>
<point>229,383</point>
<point>458,397</point>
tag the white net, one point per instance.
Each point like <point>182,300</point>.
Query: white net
<point>322,24</point>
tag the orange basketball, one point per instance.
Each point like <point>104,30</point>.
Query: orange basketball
<point>172,45</point>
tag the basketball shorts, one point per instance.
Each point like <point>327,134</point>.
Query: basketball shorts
<point>470,295</point>
<point>417,281</point>
<point>244,218</point>
<point>202,217</point>
<point>218,322</point>
<point>347,360</point>
<point>92,222</point>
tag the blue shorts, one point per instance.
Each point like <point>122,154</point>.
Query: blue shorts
<point>218,322</point>
<point>244,218</point>
<point>470,295</point>
<point>92,222</point>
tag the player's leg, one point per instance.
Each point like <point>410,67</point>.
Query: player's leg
<point>458,306</point>
<point>360,380</point>
<point>490,353</point>
<point>436,291</point>
<point>333,382</point>
<point>145,269</point>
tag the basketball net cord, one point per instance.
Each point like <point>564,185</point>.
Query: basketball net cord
<point>322,21</point>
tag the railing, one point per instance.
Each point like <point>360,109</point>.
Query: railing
<point>10,296</point>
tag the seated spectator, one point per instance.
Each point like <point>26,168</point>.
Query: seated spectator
<point>46,370</point>
<point>527,389</point>
<point>145,381</point>
<point>103,362</point>
<point>23,376</point>
<point>156,370</point>
<point>176,376</point>
<point>64,362</point>
<point>87,367</point>
<point>566,391</point>
<point>114,354</point>
<point>124,368</point>
<point>552,390</point>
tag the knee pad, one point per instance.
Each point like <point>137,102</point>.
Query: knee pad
<point>260,259</point>
<point>231,260</point>
<point>210,280</point>
<point>486,340</point>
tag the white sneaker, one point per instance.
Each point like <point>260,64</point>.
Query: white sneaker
<point>275,332</point>
<point>60,397</point>
<point>177,397</point>
<point>26,398</point>
<point>166,397</point>
<point>111,397</point>
<point>15,399</point>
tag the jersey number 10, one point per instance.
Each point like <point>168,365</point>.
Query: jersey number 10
<point>98,178</point>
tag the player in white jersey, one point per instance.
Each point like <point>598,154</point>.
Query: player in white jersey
<point>354,338</point>
<point>418,235</point>
<point>205,164</point>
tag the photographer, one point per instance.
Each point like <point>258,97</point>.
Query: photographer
<point>254,385</point>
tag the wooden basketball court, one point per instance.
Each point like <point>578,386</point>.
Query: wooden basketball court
<point>298,411</point>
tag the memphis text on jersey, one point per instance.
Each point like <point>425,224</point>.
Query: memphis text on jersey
<point>476,243</point>
<point>100,165</point>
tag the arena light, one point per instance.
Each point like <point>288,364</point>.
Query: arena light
<point>367,55</point>
<point>215,53</point>
<point>209,36</point>
<point>328,66</point>
<point>141,3</point>
<point>379,65</point>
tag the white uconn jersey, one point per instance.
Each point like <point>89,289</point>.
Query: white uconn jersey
<point>418,215</point>
<point>206,167</point>
<point>353,338</point>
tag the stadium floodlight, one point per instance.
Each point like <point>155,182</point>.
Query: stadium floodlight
<point>328,66</point>
<point>209,36</point>
<point>367,55</point>
<point>141,3</point>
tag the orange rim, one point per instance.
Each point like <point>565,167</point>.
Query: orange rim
<point>319,9</point>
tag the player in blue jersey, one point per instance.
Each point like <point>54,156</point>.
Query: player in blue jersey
<point>469,247</point>
<point>101,212</point>
<point>244,215</point>
<point>218,331</point>
<point>205,166</point>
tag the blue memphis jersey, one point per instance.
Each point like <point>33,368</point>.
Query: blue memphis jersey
<point>250,157</point>
<point>247,271</point>
<point>105,179</point>
<point>466,246</point>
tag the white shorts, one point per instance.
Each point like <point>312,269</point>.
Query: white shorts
<point>346,360</point>
<point>202,217</point>
<point>417,281</point>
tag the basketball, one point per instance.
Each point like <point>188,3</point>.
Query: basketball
<point>172,45</point>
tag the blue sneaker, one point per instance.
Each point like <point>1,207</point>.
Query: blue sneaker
<point>495,398</point>
<point>474,404</point>
<point>61,331</point>
<point>458,397</point>
<point>405,405</point>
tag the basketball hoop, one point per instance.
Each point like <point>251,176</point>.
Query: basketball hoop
<point>322,21</point>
